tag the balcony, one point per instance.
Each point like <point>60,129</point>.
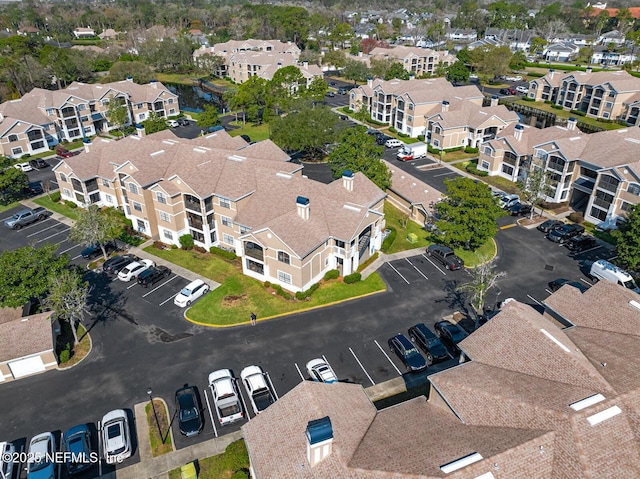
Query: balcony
<point>194,221</point>
<point>602,203</point>
<point>192,205</point>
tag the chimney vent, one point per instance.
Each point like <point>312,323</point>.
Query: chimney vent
<point>517,134</point>
<point>319,439</point>
<point>589,70</point>
<point>153,84</point>
<point>551,72</point>
<point>571,123</point>
<point>370,82</point>
<point>140,130</point>
<point>303,207</point>
<point>347,180</point>
<point>494,100</point>
<point>87,144</point>
<point>445,105</point>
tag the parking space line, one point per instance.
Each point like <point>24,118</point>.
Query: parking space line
<point>158,287</point>
<point>39,223</point>
<point>416,268</point>
<point>387,356</point>
<point>68,249</point>
<point>213,422</point>
<point>275,393</point>
<point>135,283</point>
<point>405,279</point>
<point>99,449</point>
<point>548,290</point>
<point>612,258</point>
<point>534,299</point>
<point>434,265</point>
<point>51,236</point>
<point>76,257</point>
<point>361,366</point>
<point>40,231</point>
<point>169,298</point>
<point>589,250</point>
<point>301,376</point>
<point>244,404</point>
<point>444,174</point>
<point>587,282</point>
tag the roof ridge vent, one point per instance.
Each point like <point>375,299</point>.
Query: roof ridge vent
<point>587,402</point>
<point>156,153</point>
<point>199,150</point>
<point>624,130</point>
<point>352,208</point>
<point>632,140</point>
<point>555,340</point>
<point>236,158</point>
<point>574,138</point>
<point>461,462</point>
<point>635,304</point>
<point>281,174</point>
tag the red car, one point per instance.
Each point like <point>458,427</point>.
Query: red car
<point>63,152</point>
<point>512,91</point>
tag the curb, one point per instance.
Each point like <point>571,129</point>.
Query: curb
<point>66,368</point>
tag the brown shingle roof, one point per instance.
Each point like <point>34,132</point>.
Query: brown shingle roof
<point>22,337</point>
<point>412,189</point>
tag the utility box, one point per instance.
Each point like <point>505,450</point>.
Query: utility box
<point>188,471</point>
<point>412,238</point>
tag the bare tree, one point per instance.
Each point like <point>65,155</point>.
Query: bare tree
<point>97,226</point>
<point>534,187</point>
<point>552,29</point>
<point>68,298</point>
<point>483,278</point>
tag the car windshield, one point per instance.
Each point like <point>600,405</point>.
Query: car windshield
<point>185,292</point>
<point>39,461</point>
<point>629,284</point>
<point>188,414</point>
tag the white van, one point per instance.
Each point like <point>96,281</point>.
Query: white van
<point>393,143</point>
<point>602,269</point>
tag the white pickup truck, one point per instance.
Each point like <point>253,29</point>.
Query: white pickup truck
<point>225,396</point>
<point>412,151</point>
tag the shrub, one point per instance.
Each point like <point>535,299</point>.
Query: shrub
<point>392,130</point>
<point>526,98</point>
<point>267,284</point>
<point>577,217</point>
<point>64,356</point>
<point>331,274</point>
<point>556,107</point>
<point>420,137</point>
<point>55,196</point>
<point>579,113</point>
<point>71,205</point>
<point>281,292</point>
<point>403,135</point>
<point>314,287</point>
<point>230,255</point>
<point>186,241</point>
<point>352,278</point>
<point>301,295</point>
<point>548,102</point>
<point>469,149</point>
<point>174,246</point>
<point>388,241</point>
<point>159,245</point>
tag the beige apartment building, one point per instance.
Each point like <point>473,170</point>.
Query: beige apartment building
<point>249,199</point>
<point>42,118</point>
<point>417,61</point>
<point>607,95</point>
<point>598,174</point>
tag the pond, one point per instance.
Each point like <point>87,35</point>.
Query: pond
<point>193,99</point>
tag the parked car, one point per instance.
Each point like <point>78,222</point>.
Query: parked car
<point>522,89</point>
<point>549,225</point>
<point>407,352</point>
<point>189,411</point>
<point>63,152</point>
<point>115,264</point>
<point>215,128</point>
<point>512,91</point>
<point>7,451</point>
<point>581,243</point>
<point>381,138</point>
<point>190,293</point>
<point>565,233</point>
<point>319,370</point>
<point>255,382</point>
<point>246,138</point>
<point>153,275</point>
<point>23,167</point>
<point>94,250</point>
<point>33,188</point>
<point>226,399</point>
<point>433,348</point>
<point>132,270</point>
<point>331,94</point>
<point>173,123</point>
<point>504,91</point>
<point>520,209</point>
<point>342,91</point>
<point>116,436</point>
<point>183,121</point>
<point>332,83</point>
<point>473,76</point>
<point>77,443</point>
<point>40,463</point>
<point>446,256</point>
<point>450,334</point>
<point>393,143</point>
<point>603,270</point>
<point>556,284</point>
<point>507,201</point>
<point>38,163</point>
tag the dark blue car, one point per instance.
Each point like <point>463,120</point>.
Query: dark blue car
<point>426,339</point>
<point>77,442</point>
<point>407,352</point>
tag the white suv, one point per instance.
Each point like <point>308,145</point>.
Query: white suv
<point>190,293</point>
<point>393,143</point>
<point>131,271</point>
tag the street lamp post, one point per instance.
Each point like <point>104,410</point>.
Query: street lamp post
<point>155,414</point>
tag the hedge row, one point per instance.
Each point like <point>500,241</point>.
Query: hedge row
<point>222,252</point>
<point>388,241</point>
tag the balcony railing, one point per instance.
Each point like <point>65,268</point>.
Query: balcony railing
<point>192,205</point>
<point>602,203</point>
<point>195,223</point>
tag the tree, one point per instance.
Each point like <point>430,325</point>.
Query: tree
<point>458,72</point>
<point>340,34</point>
<point>518,60</point>
<point>317,89</point>
<point>97,226</point>
<point>209,117</point>
<point>483,278</point>
<point>537,45</point>
<point>68,297</point>
<point>534,187</point>
<point>140,72</point>
<point>396,70</point>
<point>628,239</point>
<point>367,45</point>
<point>468,214</point>
<point>25,272</point>
<point>250,96</point>
<point>209,63</point>
<point>154,123</point>
<point>117,113</point>
<point>357,151</point>
<point>287,83</point>
<point>355,70</point>
<point>491,60</point>
<point>12,182</point>
<point>309,128</point>
<point>334,58</point>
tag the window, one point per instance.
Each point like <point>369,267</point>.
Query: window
<point>598,213</point>
<point>283,257</point>
<point>228,239</point>
<point>608,104</point>
<point>605,115</point>
<point>133,188</point>
<point>16,151</point>
<point>67,193</point>
<point>437,130</point>
<point>507,169</point>
<point>168,234</point>
<point>137,206</point>
<point>63,177</point>
<point>609,183</point>
<point>141,226</point>
<point>224,203</point>
<point>634,189</point>
<point>106,183</point>
<point>284,277</point>
<point>161,198</point>
<point>108,199</point>
<point>227,221</point>
<point>488,151</point>
<point>484,165</point>
<point>170,101</point>
<point>13,138</point>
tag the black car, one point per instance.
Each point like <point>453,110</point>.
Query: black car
<point>246,138</point>
<point>34,188</point>
<point>450,334</point>
<point>581,243</point>
<point>381,138</point>
<point>407,353</point>
<point>189,411</point>
<point>331,94</point>
<point>332,83</point>
<point>183,122</point>
<point>520,209</point>
<point>505,91</point>
<point>38,163</point>
<point>434,350</point>
<point>342,91</point>
<point>446,256</point>
<point>152,275</point>
<point>549,225</point>
<point>94,250</point>
<point>556,284</point>
<point>115,264</point>
<point>565,233</point>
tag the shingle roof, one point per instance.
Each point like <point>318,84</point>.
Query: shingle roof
<point>412,189</point>
<point>432,90</point>
<point>463,113</point>
<point>22,337</point>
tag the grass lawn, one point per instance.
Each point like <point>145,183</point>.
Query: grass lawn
<point>603,235</point>
<point>404,139</point>
<point>209,266</point>
<point>495,181</point>
<point>182,78</point>
<point>63,209</point>
<point>157,446</point>
<point>455,155</point>
<point>255,132</point>
<point>567,114</point>
<point>234,462</point>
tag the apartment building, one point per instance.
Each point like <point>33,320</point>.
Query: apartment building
<point>405,104</point>
<point>529,400</point>
<point>417,61</point>
<point>605,95</point>
<point>42,118</point>
<point>243,66</point>
<point>250,199</point>
<point>598,174</point>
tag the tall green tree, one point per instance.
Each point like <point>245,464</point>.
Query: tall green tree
<point>154,123</point>
<point>25,273</point>
<point>490,60</point>
<point>628,239</point>
<point>355,71</point>
<point>209,117</point>
<point>357,151</point>
<point>468,214</point>
<point>396,71</point>
<point>458,72</point>
<point>534,187</point>
<point>68,297</point>
<point>12,182</point>
<point>250,97</point>
<point>317,89</point>
<point>117,113</point>
<point>97,226</point>
<point>286,84</point>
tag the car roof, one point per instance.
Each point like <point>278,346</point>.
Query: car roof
<point>219,374</point>
<point>194,283</point>
<point>402,339</point>
<point>425,330</point>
